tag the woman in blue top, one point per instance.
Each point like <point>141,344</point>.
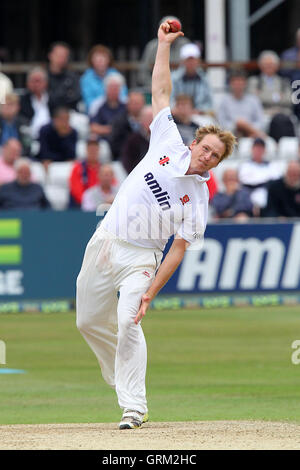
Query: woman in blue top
<point>92,81</point>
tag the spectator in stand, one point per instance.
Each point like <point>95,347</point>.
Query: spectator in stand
<point>241,112</point>
<point>291,55</point>
<point>126,123</point>
<point>183,117</point>
<point>85,173</point>
<point>284,194</point>
<point>6,85</point>
<point>101,123</point>
<point>102,193</point>
<point>11,152</point>
<point>34,108</point>
<point>64,88</point>
<point>274,93</point>
<point>58,139</point>
<point>12,126</point>
<point>257,174</point>
<point>22,193</point>
<point>136,146</point>
<point>149,53</point>
<point>234,201</point>
<point>100,62</point>
<point>189,79</point>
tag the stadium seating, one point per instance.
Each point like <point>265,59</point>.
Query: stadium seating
<point>38,173</point>
<point>288,148</point>
<point>245,144</point>
<point>81,123</point>
<point>57,184</point>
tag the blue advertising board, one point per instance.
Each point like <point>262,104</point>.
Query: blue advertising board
<point>41,255</point>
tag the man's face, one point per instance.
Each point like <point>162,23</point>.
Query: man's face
<point>37,83</point>
<point>258,152</point>
<point>113,91</point>
<point>238,85</point>
<point>206,154</point>
<point>292,176</point>
<point>184,109</point>
<point>59,56</point>
<point>93,153</point>
<point>24,174</point>
<point>9,110</point>
<point>106,175</point>
<point>61,123</point>
<point>12,151</point>
<point>191,64</point>
<point>135,103</point>
<point>269,66</point>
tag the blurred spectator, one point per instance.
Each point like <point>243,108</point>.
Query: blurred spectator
<point>189,79</point>
<point>102,193</point>
<point>101,123</point>
<point>100,61</point>
<point>11,151</point>
<point>234,201</point>
<point>256,175</point>
<point>274,93</point>
<point>126,123</point>
<point>284,194</point>
<point>136,146</point>
<point>149,53</point>
<point>6,85</point>
<point>34,103</point>
<point>291,55</point>
<point>12,126</point>
<point>22,193</point>
<point>58,139</point>
<point>239,111</point>
<point>85,173</point>
<point>183,117</point>
<point>64,88</point>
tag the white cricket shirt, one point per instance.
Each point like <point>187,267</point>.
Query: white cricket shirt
<point>157,199</point>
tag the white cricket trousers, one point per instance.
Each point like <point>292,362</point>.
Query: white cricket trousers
<point>113,277</point>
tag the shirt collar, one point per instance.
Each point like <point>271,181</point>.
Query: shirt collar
<point>200,179</point>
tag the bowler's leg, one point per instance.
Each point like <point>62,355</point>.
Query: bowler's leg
<point>96,305</point>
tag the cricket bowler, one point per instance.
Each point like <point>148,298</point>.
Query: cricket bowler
<point>166,194</point>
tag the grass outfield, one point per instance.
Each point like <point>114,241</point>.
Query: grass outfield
<point>230,364</point>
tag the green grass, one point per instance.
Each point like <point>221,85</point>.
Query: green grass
<point>218,364</point>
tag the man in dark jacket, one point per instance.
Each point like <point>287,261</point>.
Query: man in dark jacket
<point>58,139</point>
<point>284,194</point>
<point>64,89</point>
<point>136,146</point>
<point>126,123</point>
<point>35,101</point>
<point>22,193</point>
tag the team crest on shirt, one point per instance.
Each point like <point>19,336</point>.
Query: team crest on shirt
<point>184,199</point>
<point>164,160</point>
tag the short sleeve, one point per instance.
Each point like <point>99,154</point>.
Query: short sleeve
<point>163,129</point>
<point>193,225</point>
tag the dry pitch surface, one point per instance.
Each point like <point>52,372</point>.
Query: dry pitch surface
<point>194,435</point>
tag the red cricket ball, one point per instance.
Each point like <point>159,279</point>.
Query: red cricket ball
<point>175,26</point>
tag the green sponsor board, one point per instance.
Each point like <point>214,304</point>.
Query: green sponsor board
<point>10,228</point>
<point>10,254</point>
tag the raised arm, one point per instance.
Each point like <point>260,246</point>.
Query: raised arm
<point>161,75</point>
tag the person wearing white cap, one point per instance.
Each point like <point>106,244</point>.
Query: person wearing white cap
<point>189,79</point>
<point>149,53</point>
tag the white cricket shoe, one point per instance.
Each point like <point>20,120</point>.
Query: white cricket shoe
<point>132,419</point>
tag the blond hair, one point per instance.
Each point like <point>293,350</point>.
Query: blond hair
<point>226,137</point>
